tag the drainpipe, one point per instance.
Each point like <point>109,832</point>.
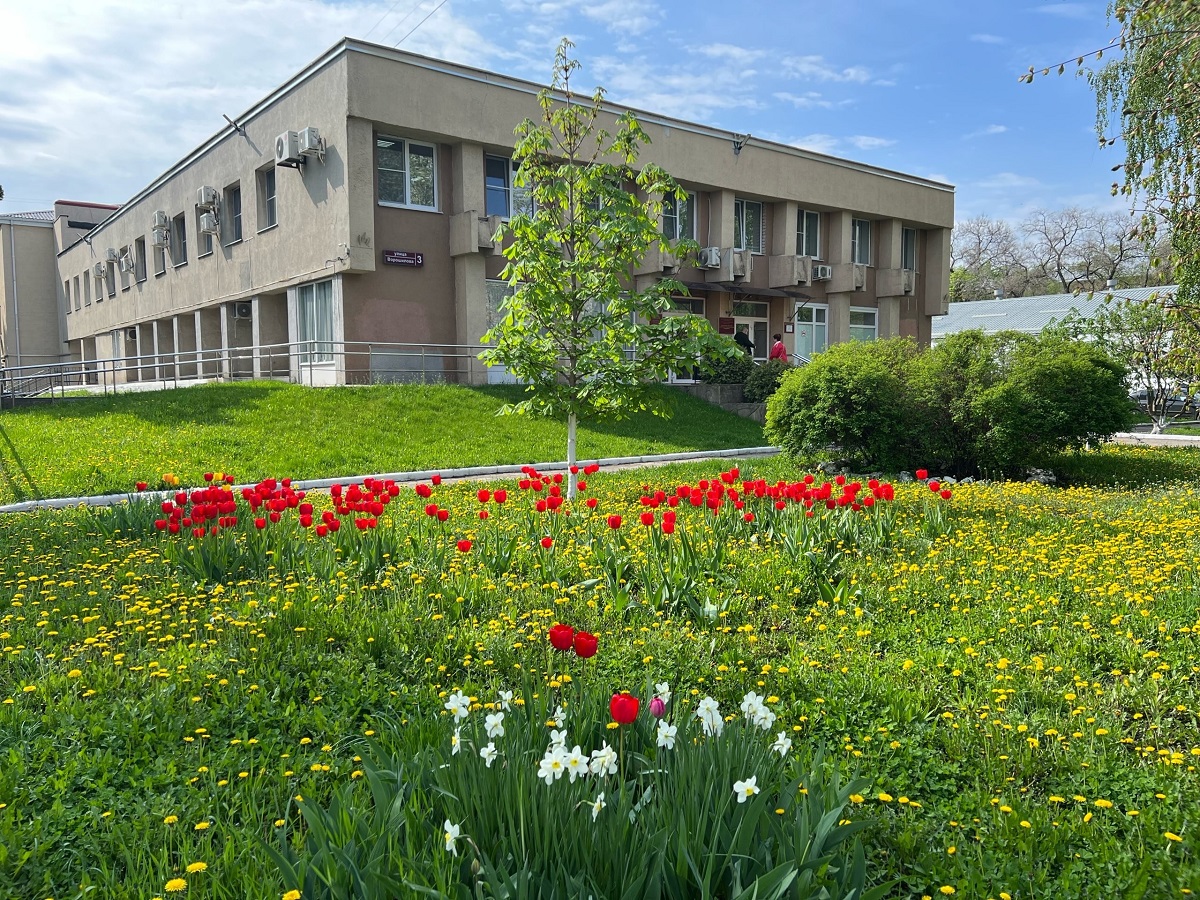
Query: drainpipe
<point>12,255</point>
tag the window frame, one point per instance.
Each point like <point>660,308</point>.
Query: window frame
<point>874,326</point>
<point>517,200</point>
<point>858,229</point>
<point>407,145</point>
<point>689,203</point>
<point>177,241</point>
<point>321,350</point>
<point>802,223</point>
<point>740,205</point>
<point>204,242</point>
<point>230,221</point>
<point>907,245</point>
<point>77,294</point>
<point>110,279</point>
<point>139,259</point>
<point>67,294</point>
<point>268,203</point>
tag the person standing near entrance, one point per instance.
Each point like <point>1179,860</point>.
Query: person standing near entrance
<point>778,351</point>
<point>742,338</point>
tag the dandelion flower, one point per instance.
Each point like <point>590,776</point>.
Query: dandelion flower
<point>197,867</point>
<point>292,895</point>
<point>176,886</point>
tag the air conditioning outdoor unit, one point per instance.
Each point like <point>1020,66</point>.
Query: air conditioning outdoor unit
<point>161,220</point>
<point>243,310</point>
<point>908,280</point>
<point>311,143</point>
<point>208,223</point>
<point>287,149</point>
<point>99,270</point>
<point>710,257</point>
<point>159,236</point>
<point>207,197</point>
<point>125,263</point>
<point>131,334</point>
<point>821,273</point>
<point>742,263</point>
<point>111,255</point>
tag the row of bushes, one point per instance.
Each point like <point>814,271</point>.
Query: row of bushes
<point>974,404</point>
<point>760,379</point>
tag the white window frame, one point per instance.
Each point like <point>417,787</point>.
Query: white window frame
<point>322,349</point>
<point>204,241</point>
<point>139,260</point>
<point>802,226</point>
<point>860,229</point>
<point>268,201</point>
<point>178,241</point>
<point>815,308</point>
<point>407,145</point>
<point>516,199</point>
<point>231,215</point>
<point>671,208</point>
<point>739,225</point>
<point>874,326</point>
<point>77,289</point>
<point>909,238</point>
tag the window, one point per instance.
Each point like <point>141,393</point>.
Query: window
<point>314,308</point>
<point>860,242</point>
<point>812,335</point>
<point>908,249</point>
<point>126,274</point>
<point>178,240</point>
<point>110,278</point>
<point>679,218</point>
<point>67,294</point>
<point>160,260</point>
<point>808,233</point>
<point>139,259</point>
<point>267,202</point>
<point>748,225</point>
<point>862,324</point>
<point>231,215</point>
<point>503,198</point>
<point>203,238</point>
<point>87,290</point>
<point>693,305</point>
<point>77,291</point>
<point>407,173</point>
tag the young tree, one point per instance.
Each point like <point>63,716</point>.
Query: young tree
<point>576,331</point>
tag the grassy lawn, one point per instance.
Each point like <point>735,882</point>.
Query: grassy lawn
<point>1014,669</point>
<point>103,444</point>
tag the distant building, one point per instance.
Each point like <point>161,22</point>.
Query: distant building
<point>355,206</point>
<point>1029,315</point>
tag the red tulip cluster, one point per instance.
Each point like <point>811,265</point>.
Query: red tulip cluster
<point>365,502</point>
<point>724,490</point>
<point>564,638</point>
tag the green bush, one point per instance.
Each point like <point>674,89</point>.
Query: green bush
<point>764,380</point>
<point>734,368</point>
<point>974,404</point>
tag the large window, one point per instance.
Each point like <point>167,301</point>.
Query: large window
<point>808,233</point>
<point>139,259</point>
<point>77,292</point>
<point>503,198</point>
<point>679,218</point>
<point>862,324</point>
<point>407,172</point>
<point>67,294</point>
<point>178,240</point>
<point>110,278</point>
<point>908,249</point>
<point>231,215</point>
<point>748,225</point>
<point>812,330</point>
<point>860,242</point>
<point>268,211</point>
<point>314,309</point>
<point>204,239</point>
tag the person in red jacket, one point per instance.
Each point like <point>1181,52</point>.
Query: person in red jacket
<point>778,351</point>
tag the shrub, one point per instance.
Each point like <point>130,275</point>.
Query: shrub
<point>764,380</point>
<point>726,369</point>
<point>849,399</point>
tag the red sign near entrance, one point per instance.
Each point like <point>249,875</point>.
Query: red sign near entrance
<point>403,258</point>
<point>724,325</point>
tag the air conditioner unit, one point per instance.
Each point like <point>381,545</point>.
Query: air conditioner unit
<point>100,270</point>
<point>860,277</point>
<point>908,280</point>
<point>111,255</point>
<point>287,149</point>
<point>821,273</point>
<point>131,334</point>
<point>742,263</point>
<point>161,220</point>
<point>159,237</point>
<point>243,310</point>
<point>710,257</point>
<point>311,143</point>
<point>207,197</point>
<point>208,224</point>
<point>125,263</point>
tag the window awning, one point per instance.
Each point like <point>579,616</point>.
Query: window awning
<point>744,290</point>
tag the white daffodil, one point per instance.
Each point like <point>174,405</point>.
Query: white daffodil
<point>662,691</point>
<point>577,763</point>
<point>451,832</point>
<point>494,723</point>
<point>763,718</point>
<point>455,742</point>
<point>552,766</point>
<point>558,738</point>
<point>505,701</point>
<point>783,744</point>
<point>746,789</point>
<point>604,761</point>
<point>666,734</point>
<point>710,610</point>
<point>709,714</point>
<point>489,754</point>
<point>750,704</point>
<point>598,805</point>
<point>560,716</point>
<point>458,705</point>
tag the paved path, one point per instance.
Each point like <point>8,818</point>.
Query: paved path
<point>1145,439</point>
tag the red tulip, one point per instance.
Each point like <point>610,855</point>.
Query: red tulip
<point>443,515</point>
<point>647,518</point>
<point>547,542</point>
<point>483,514</point>
<point>748,517</point>
<point>141,485</point>
<point>483,495</point>
<point>623,707</point>
<point>464,546</point>
<point>500,496</point>
<point>260,523</point>
<point>574,470</point>
<point>562,637</point>
<point>208,476</point>
<point>935,486</point>
<point>668,527</point>
<point>614,522</point>
<point>423,491</point>
<point>945,494</point>
<point>585,644</point>
<point>590,502</point>
<point>922,474</point>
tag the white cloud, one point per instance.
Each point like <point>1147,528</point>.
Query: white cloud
<point>987,39</point>
<point>866,142</point>
<point>818,143</point>
<point>815,68</point>
<point>828,143</point>
<point>731,53</point>
<point>810,100</point>
<point>1006,181</point>
<point>617,16</point>
<point>986,131</point>
<point>1066,10</point>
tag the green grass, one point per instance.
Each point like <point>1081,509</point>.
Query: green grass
<point>255,430</point>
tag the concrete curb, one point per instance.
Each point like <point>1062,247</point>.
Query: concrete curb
<point>1146,439</point>
<point>409,477</point>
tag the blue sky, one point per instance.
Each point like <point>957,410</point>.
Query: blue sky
<point>98,97</point>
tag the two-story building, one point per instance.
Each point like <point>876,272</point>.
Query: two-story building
<point>352,210</point>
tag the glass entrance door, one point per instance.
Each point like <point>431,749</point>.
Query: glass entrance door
<point>752,319</point>
<point>811,330</point>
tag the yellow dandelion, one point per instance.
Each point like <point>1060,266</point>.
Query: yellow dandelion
<point>196,867</point>
<point>201,826</point>
<point>176,886</point>
<point>292,895</point>
<point>170,820</point>
<point>947,889</point>
<point>884,797</point>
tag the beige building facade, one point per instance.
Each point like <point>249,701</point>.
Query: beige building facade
<point>352,211</point>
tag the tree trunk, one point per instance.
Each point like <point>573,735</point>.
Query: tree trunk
<point>571,476</point>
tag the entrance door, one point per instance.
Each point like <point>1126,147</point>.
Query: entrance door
<point>811,330</point>
<point>752,318</point>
